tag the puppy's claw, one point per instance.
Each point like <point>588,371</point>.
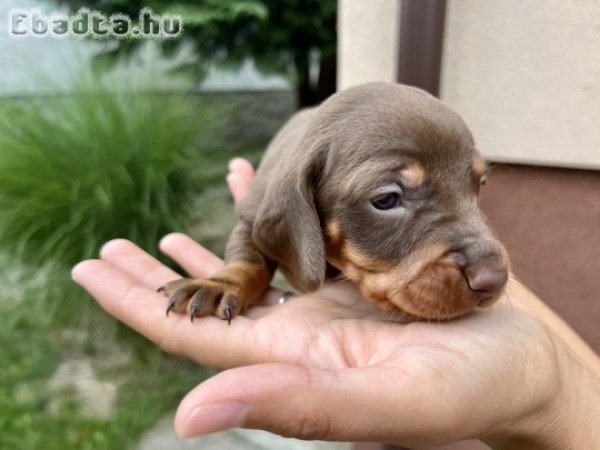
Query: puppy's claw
<point>200,298</point>
<point>170,307</point>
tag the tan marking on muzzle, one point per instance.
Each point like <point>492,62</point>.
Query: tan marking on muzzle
<point>379,281</point>
<point>340,254</point>
<point>438,293</point>
<point>333,233</point>
<point>384,285</point>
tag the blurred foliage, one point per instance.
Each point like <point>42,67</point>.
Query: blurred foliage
<point>39,332</point>
<point>282,36</point>
<point>78,170</point>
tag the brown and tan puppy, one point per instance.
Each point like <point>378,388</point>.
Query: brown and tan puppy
<point>380,183</point>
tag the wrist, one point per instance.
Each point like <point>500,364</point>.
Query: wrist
<point>580,406</point>
<point>569,415</point>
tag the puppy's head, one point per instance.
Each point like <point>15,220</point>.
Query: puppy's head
<point>390,183</point>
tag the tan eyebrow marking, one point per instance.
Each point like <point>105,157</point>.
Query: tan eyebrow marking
<point>413,175</point>
<point>479,166</point>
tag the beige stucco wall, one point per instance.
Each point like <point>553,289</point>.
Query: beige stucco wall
<point>367,41</point>
<point>525,75</point>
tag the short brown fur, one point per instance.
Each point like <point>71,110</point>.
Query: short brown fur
<point>425,252</point>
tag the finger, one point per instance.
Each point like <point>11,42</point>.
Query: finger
<point>131,259</point>
<point>242,167</point>
<point>195,259</point>
<point>208,340</point>
<point>294,401</point>
<point>239,178</point>
<point>236,186</point>
<point>124,297</point>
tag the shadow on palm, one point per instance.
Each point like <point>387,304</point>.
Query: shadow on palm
<point>336,328</point>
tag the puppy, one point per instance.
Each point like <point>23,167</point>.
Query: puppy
<point>380,183</point>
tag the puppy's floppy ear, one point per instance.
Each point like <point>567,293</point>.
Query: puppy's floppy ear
<point>287,227</point>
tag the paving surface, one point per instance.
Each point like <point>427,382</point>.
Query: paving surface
<point>162,437</point>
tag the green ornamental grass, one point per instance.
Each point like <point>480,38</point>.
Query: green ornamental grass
<point>79,169</point>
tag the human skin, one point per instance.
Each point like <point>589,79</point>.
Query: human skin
<point>325,366</point>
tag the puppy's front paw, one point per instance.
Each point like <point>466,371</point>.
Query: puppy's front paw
<point>226,294</point>
<point>203,297</point>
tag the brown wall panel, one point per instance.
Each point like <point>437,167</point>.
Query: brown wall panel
<point>549,219</point>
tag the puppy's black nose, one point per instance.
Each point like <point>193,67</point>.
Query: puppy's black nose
<point>486,281</point>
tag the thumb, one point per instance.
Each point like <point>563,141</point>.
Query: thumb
<point>292,401</point>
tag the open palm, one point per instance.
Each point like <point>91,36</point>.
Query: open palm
<point>329,348</point>
<point>328,365</point>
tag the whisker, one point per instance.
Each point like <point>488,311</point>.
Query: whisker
<point>391,317</point>
<point>397,291</point>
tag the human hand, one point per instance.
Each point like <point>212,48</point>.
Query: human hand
<point>324,366</point>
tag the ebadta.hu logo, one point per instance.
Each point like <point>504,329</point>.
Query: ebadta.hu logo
<point>88,23</point>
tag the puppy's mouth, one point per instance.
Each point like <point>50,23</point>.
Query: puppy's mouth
<point>440,291</point>
<point>429,284</point>
<point>435,290</point>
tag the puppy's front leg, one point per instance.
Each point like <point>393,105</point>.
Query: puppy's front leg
<point>239,285</point>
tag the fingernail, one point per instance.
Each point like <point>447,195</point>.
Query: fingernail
<point>212,418</point>
<point>75,270</point>
<point>166,238</point>
<point>81,267</point>
<point>234,162</point>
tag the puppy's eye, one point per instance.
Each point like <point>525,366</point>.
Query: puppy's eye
<point>386,201</point>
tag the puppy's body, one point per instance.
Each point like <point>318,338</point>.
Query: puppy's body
<point>381,182</point>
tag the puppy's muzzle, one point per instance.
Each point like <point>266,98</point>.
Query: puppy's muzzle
<point>446,286</point>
